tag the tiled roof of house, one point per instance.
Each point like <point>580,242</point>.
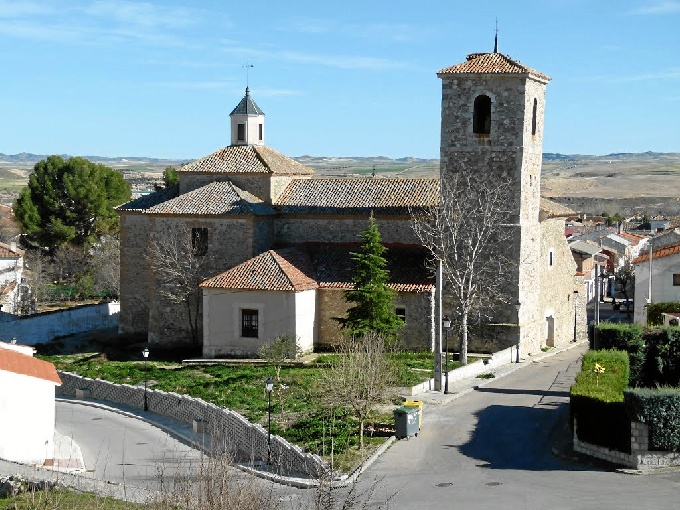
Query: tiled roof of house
<point>584,248</point>
<point>322,265</point>
<point>6,252</point>
<point>18,363</point>
<point>147,201</point>
<point>658,253</point>
<point>216,198</point>
<point>242,159</point>
<point>491,63</point>
<point>633,238</point>
<point>357,195</point>
<point>247,106</point>
<point>286,269</point>
<point>407,266</point>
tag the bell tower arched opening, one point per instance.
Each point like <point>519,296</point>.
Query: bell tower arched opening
<point>481,124</point>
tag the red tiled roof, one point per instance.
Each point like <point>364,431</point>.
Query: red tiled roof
<point>6,252</point>
<point>356,195</point>
<point>17,363</point>
<point>492,63</point>
<point>214,199</point>
<point>322,265</point>
<point>661,252</point>
<point>286,269</point>
<point>247,159</point>
<point>147,201</point>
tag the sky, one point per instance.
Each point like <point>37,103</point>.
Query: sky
<point>336,78</point>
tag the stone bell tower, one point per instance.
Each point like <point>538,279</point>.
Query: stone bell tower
<point>492,124</point>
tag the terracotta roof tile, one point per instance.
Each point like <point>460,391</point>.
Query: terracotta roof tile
<point>6,252</point>
<point>492,63</point>
<point>147,201</point>
<point>18,363</point>
<point>322,265</point>
<point>247,159</point>
<point>407,266</point>
<point>357,195</point>
<point>286,269</point>
<point>658,253</point>
<point>215,198</point>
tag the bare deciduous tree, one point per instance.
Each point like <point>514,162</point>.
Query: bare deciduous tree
<point>105,265</point>
<point>360,379</point>
<point>180,263</point>
<point>468,233</point>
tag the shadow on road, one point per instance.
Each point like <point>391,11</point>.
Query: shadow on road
<point>523,438</point>
<point>511,391</point>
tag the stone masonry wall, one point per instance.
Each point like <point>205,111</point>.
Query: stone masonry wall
<point>639,458</point>
<point>557,283</point>
<point>229,431</point>
<point>135,275</point>
<point>416,334</point>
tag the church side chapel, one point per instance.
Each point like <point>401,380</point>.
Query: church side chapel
<point>276,240</point>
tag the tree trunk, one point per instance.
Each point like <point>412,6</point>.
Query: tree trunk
<point>464,339</point>
<point>361,434</point>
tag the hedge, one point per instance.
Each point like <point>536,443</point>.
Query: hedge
<point>662,360</point>
<point>628,338</point>
<point>660,409</point>
<point>597,400</point>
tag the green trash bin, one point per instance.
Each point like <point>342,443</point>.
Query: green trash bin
<point>406,422</point>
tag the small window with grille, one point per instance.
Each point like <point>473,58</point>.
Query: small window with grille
<point>249,323</point>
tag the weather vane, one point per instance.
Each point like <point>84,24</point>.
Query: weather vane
<point>247,65</point>
<point>495,41</point>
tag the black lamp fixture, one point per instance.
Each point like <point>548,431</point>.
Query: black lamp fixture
<point>446,322</point>
<point>269,386</point>
<point>145,353</point>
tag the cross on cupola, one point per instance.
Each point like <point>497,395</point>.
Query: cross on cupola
<point>247,122</point>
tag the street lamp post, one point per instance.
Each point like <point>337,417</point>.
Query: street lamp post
<point>269,385</point>
<point>145,353</point>
<point>446,322</point>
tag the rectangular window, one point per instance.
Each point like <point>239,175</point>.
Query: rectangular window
<point>261,132</point>
<point>199,241</point>
<point>249,323</point>
<point>676,279</point>
<point>401,313</point>
<point>241,132</point>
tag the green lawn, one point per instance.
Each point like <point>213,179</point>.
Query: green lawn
<point>297,415</point>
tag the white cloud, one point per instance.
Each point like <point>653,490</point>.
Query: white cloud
<point>17,9</point>
<point>142,14</point>
<point>669,74</point>
<point>666,7</point>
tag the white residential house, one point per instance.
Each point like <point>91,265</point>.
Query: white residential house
<point>664,269</point>
<point>27,408</point>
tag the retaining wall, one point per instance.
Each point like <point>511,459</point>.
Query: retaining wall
<point>43,327</point>
<point>228,430</point>
<point>639,458</point>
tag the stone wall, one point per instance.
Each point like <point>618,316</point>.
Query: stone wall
<point>43,327</point>
<point>342,229</point>
<point>229,431</point>
<point>558,309</point>
<point>639,458</point>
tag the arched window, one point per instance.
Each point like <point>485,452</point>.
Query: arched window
<point>482,120</point>
<point>533,118</point>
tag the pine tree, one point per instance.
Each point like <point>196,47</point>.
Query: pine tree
<point>373,300</point>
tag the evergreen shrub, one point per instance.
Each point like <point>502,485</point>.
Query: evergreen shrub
<point>662,360</point>
<point>628,338</point>
<point>660,409</point>
<point>597,400</point>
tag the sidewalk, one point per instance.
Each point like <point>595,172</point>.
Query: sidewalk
<point>68,458</point>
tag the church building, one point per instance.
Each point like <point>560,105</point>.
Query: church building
<point>276,240</point>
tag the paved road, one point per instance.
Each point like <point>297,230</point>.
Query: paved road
<point>121,450</point>
<point>492,449</point>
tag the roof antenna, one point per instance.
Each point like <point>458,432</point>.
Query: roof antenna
<point>495,41</point>
<point>247,66</point>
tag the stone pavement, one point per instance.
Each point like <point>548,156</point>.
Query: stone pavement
<point>68,458</point>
